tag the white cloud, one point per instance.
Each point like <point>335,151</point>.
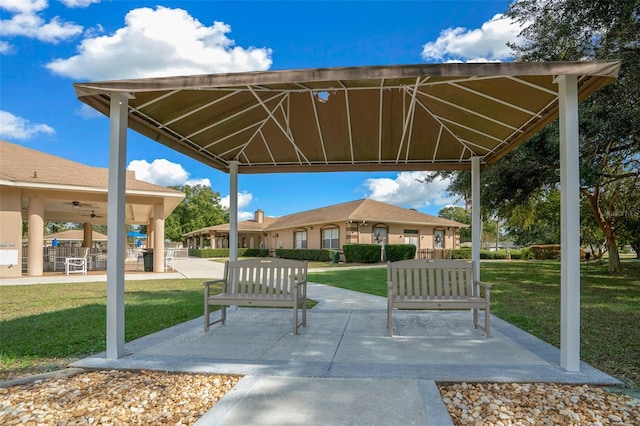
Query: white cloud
<point>79,3</point>
<point>164,173</point>
<point>5,48</point>
<point>244,199</point>
<point>161,42</point>
<point>407,191</point>
<point>13,127</point>
<point>27,22</point>
<point>485,44</point>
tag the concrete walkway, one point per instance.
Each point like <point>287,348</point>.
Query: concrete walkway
<point>342,369</point>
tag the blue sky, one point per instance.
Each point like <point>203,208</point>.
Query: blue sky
<point>46,46</point>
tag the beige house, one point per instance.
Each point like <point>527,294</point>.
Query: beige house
<point>36,188</point>
<point>356,222</point>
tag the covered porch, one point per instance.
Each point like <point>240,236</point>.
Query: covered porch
<point>386,118</point>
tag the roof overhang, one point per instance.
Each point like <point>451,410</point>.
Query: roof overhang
<point>379,118</point>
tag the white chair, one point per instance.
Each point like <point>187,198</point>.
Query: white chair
<point>169,260</point>
<point>76,265</point>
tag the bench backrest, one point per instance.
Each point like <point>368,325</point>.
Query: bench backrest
<point>431,278</point>
<point>263,276</point>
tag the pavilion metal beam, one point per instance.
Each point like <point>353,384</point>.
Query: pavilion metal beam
<point>233,210</point>
<point>569,224</point>
<point>116,223</point>
<point>476,224</point>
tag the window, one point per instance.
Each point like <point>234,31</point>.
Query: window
<point>300,239</point>
<point>330,238</point>
<point>438,238</point>
<point>380,235</point>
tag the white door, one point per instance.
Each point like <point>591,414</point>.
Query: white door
<point>412,239</point>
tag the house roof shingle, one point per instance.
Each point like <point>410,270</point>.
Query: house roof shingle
<point>358,211</point>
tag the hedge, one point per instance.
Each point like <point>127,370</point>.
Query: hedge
<point>465,253</point>
<point>395,252</point>
<point>318,255</point>
<point>362,253</point>
<point>224,252</point>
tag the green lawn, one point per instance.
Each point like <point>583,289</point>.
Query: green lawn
<point>42,327</point>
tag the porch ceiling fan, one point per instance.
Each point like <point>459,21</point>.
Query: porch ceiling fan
<point>93,215</point>
<point>78,204</point>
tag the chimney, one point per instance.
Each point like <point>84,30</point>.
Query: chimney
<point>258,216</point>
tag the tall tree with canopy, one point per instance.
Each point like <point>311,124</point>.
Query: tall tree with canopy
<point>200,208</point>
<point>562,30</point>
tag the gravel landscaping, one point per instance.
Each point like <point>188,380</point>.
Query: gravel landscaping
<point>540,404</point>
<point>114,398</point>
<point>147,397</point>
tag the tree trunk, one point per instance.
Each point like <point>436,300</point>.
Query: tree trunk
<point>607,228</point>
<point>614,256</point>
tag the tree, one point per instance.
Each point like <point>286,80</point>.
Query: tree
<point>200,208</point>
<point>562,30</point>
<point>458,214</point>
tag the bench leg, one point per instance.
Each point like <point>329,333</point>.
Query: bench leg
<point>206,315</point>
<point>295,319</point>
<point>475,317</point>
<point>487,317</point>
<point>389,320</point>
<point>304,312</point>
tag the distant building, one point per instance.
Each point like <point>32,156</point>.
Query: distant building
<point>357,222</point>
<point>36,187</point>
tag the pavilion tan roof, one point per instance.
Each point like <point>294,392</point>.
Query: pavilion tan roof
<point>380,118</point>
<point>367,210</point>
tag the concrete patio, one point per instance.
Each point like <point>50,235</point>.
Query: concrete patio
<point>343,368</point>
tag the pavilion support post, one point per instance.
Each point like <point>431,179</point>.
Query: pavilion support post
<point>36,237</point>
<point>476,223</point>
<point>87,234</point>
<point>570,224</point>
<point>116,224</point>
<point>158,238</point>
<point>233,210</point>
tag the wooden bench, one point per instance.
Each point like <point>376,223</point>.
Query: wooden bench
<point>436,284</point>
<point>260,282</point>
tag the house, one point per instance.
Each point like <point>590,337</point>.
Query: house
<point>362,221</point>
<point>36,187</point>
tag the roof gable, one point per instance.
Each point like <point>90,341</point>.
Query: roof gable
<point>358,211</point>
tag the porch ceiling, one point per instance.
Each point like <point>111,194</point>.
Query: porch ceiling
<point>407,117</point>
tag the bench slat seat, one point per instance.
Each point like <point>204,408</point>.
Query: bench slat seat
<point>424,284</point>
<point>279,283</point>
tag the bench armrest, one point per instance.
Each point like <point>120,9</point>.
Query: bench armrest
<point>207,285</point>
<point>482,284</point>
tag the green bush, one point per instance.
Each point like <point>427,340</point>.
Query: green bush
<point>545,251</point>
<point>395,252</point>
<point>362,253</point>
<point>525,253</point>
<point>461,253</point>
<point>224,252</point>
<point>318,255</point>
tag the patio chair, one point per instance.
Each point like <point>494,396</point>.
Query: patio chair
<point>76,265</point>
<point>169,260</point>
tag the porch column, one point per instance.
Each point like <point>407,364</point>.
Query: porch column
<point>570,224</point>
<point>36,237</point>
<point>87,236</point>
<point>116,224</point>
<point>476,223</point>
<point>158,238</point>
<point>233,210</point>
